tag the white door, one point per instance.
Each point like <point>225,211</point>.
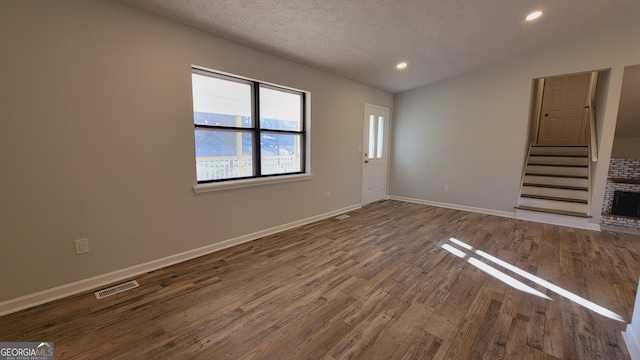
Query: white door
<point>563,121</point>
<point>374,171</point>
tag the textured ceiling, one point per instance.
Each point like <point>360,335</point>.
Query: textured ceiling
<point>364,39</point>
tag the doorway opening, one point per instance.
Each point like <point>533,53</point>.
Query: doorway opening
<point>620,208</point>
<point>562,146</point>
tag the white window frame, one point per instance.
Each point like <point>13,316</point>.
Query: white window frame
<point>261,180</point>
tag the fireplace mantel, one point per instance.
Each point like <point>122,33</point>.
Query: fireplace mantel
<point>626,181</point>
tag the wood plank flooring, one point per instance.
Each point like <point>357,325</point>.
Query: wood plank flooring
<point>375,286</point>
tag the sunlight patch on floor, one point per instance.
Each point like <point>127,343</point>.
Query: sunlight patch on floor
<point>506,278</point>
<point>520,285</point>
<point>454,251</point>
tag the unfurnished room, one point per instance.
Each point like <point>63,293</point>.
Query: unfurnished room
<point>285,179</point>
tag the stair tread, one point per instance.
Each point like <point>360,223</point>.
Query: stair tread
<point>560,155</point>
<point>565,151</point>
<point>551,186</point>
<point>542,197</point>
<point>559,165</point>
<point>553,211</point>
<point>560,176</point>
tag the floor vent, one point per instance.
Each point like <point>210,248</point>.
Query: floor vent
<point>342,217</point>
<point>116,289</point>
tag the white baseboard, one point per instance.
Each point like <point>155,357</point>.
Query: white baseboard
<point>631,340</point>
<point>59,292</point>
<point>582,223</point>
<point>454,206</point>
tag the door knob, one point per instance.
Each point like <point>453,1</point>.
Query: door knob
<point>366,161</point>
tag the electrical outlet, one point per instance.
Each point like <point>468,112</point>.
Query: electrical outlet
<point>445,188</point>
<point>328,195</point>
<point>82,246</point>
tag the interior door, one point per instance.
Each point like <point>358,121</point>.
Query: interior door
<point>374,171</point>
<point>563,117</point>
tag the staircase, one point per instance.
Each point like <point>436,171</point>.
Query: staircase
<point>556,181</point>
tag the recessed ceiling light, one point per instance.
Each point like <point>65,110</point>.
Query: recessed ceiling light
<point>534,15</point>
<point>401,65</point>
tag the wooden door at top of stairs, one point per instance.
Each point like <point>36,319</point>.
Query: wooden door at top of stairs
<point>562,117</point>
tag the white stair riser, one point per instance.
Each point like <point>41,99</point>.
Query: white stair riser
<point>558,160</point>
<point>548,180</point>
<point>578,222</point>
<point>562,193</point>
<point>555,205</point>
<point>557,170</point>
<point>560,150</point>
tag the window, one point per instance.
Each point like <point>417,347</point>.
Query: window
<point>376,137</point>
<point>231,143</point>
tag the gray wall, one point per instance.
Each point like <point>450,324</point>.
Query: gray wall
<point>626,148</point>
<point>470,132</point>
<point>626,144</point>
<point>96,140</point>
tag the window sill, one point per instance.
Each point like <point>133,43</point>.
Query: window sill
<point>238,184</point>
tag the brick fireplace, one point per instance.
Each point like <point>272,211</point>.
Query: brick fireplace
<point>623,180</point>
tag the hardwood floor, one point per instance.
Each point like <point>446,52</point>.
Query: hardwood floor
<point>375,286</point>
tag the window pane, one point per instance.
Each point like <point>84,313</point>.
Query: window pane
<point>281,153</point>
<point>223,154</point>
<point>221,102</point>
<point>380,136</point>
<point>280,110</point>
<point>372,137</point>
